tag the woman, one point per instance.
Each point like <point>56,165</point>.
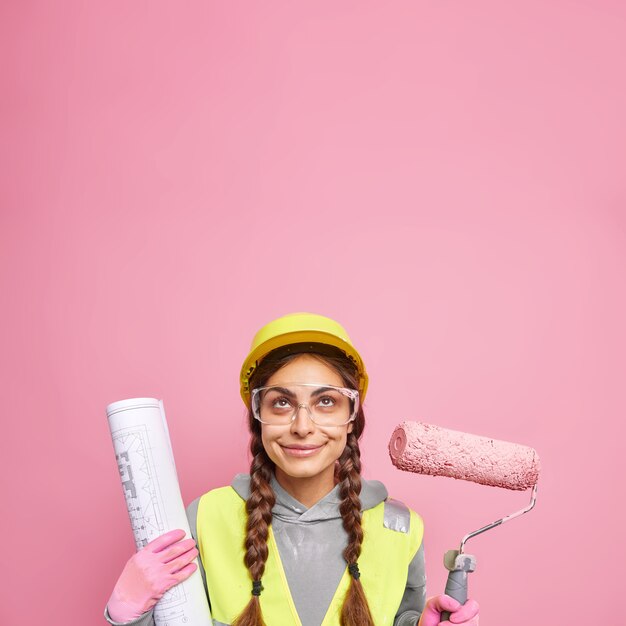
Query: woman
<point>302,540</point>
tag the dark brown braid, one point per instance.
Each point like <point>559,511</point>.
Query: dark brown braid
<point>259,508</point>
<point>355,610</point>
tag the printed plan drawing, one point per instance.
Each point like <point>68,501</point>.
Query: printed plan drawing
<point>148,475</point>
<point>145,506</point>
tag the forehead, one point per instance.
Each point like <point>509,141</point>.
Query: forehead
<point>305,369</point>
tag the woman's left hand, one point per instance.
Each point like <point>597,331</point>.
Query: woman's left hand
<point>466,614</point>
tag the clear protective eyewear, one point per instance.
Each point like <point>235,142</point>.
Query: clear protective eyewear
<point>327,405</point>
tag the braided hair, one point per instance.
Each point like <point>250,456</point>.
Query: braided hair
<point>355,610</point>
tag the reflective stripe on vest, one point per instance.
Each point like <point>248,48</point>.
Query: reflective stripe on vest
<point>392,534</point>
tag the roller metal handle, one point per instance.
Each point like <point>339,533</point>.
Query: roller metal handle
<point>459,566</point>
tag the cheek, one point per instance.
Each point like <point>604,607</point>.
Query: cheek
<point>339,443</point>
<point>268,438</point>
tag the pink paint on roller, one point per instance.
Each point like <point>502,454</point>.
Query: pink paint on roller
<point>428,449</point>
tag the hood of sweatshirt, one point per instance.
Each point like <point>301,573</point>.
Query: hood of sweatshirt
<point>311,542</point>
<point>288,509</point>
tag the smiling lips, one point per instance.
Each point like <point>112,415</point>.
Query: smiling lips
<point>301,450</point>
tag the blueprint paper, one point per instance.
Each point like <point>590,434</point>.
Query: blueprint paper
<point>155,506</point>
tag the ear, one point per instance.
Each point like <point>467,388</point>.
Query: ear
<point>350,426</point>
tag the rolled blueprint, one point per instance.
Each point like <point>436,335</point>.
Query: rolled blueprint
<point>155,506</point>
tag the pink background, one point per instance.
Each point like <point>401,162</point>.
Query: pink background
<point>444,178</point>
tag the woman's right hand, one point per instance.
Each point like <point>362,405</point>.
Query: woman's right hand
<point>149,573</point>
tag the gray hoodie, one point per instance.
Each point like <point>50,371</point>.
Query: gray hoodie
<point>310,543</point>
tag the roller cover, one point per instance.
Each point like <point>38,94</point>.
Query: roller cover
<point>428,449</point>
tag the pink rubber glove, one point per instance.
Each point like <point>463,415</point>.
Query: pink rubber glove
<point>149,573</point>
<point>466,614</point>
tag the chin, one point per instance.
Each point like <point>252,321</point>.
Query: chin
<point>304,473</point>
<point>301,470</point>
<point>304,468</point>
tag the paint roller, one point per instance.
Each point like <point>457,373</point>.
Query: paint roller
<point>428,449</point>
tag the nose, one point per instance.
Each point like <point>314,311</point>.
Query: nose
<point>302,424</point>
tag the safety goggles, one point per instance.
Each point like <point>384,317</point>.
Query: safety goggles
<point>327,405</point>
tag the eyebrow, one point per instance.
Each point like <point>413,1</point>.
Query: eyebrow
<point>291,394</point>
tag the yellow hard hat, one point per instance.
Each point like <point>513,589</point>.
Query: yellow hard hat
<point>297,328</point>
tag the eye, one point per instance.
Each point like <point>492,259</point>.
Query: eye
<point>327,401</point>
<point>278,402</point>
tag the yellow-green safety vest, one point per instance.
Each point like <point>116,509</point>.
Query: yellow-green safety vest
<point>384,562</point>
